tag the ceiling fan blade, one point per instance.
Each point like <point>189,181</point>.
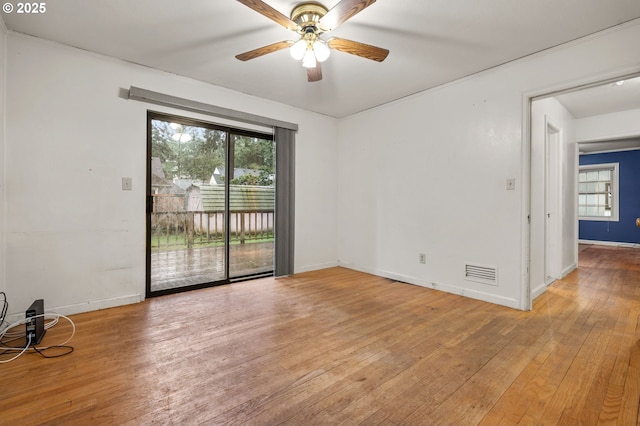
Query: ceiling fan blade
<point>314,74</point>
<point>359,49</point>
<point>343,11</point>
<point>255,53</point>
<point>266,10</point>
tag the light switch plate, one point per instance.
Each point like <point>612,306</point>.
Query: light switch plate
<point>127,184</point>
<point>511,184</point>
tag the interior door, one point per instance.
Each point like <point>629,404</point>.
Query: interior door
<point>553,237</point>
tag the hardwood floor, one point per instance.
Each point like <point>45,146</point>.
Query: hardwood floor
<point>342,347</point>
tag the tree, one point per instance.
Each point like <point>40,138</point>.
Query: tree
<point>262,179</point>
<point>254,153</point>
<point>187,151</point>
<point>191,152</point>
<point>162,145</point>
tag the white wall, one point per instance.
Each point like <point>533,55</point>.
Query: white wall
<point>552,110</point>
<point>73,237</point>
<point>3,269</point>
<point>615,125</point>
<point>428,173</point>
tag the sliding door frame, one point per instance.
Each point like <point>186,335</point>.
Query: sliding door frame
<point>229,162</point>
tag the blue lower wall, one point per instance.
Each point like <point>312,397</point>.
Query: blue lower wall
<point>625,230</point>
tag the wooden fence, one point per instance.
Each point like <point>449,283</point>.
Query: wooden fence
<point>251,218</point>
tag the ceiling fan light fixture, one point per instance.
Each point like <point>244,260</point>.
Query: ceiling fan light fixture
<point>181,137</point>
<point>310,20</point>
<point>321,50</point>
<point>298,49</point>
<point>309,59</point>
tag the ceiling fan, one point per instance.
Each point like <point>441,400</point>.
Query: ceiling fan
<point>310,20</point>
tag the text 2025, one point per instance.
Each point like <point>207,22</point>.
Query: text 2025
<point>31,8</point>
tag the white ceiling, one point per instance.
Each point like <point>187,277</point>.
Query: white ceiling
<point>431,42</point>
<point>603,99</point>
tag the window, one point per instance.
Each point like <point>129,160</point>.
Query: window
<point>598,192</point>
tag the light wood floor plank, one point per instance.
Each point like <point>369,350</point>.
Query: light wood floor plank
<point>338,346</point>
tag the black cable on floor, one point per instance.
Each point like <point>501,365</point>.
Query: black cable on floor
<point>69,349</point>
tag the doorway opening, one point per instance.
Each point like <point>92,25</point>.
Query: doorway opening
<point>210,204</point>
<point>565,127</point>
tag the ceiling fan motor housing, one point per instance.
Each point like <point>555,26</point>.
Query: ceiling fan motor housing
<point>307,16</point>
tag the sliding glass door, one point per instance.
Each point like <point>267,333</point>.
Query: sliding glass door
<point>251,175</point>
<point>210,204</point>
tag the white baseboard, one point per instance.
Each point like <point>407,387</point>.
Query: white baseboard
<point>541,288</point>
<point>447,288</point>
<point>78,308</point>
<point>96,305</point>
<point>609,243</point>
<point>538,290</point>
<point>566,271</point>
<point>309,268</point>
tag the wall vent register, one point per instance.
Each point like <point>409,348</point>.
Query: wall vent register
<point>482,274</point>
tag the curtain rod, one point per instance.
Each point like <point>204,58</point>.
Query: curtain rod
<point>157,98</point>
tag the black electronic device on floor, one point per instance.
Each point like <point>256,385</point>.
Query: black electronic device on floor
<point>34,320</point>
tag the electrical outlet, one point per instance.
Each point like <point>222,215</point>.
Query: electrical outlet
<point>422,258</point>
<point>127,184</point>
